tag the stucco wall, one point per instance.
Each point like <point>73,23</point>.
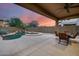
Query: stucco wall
<point>43,29</point>
<point>72,29</point>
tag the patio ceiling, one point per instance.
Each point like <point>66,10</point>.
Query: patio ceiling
<point>56,11</point>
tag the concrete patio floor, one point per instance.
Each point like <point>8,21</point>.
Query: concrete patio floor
<point>37,45</point>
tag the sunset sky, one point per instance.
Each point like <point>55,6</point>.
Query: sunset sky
<point>12,10</point>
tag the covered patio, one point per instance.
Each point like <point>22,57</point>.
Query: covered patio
<point>42,44</point>
<point>45,41</point>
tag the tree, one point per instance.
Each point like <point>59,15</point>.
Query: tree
<point>34,24</point>
<point>15,22</point>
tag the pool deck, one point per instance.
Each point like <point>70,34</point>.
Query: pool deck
<point>37,45</point>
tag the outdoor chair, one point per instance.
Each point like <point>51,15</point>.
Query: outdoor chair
<point>56,33</point>
<point>63,37</point>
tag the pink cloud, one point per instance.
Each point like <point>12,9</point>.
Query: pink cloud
<point>42,21</point>
<point>25,19</point>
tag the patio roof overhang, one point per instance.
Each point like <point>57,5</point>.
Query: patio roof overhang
<point>56,11</point>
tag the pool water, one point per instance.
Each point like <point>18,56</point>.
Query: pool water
<point>14,36</point>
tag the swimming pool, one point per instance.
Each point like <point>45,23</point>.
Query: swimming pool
<point>14,36</point>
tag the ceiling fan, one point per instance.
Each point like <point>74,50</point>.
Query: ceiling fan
<point>66,7</point>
